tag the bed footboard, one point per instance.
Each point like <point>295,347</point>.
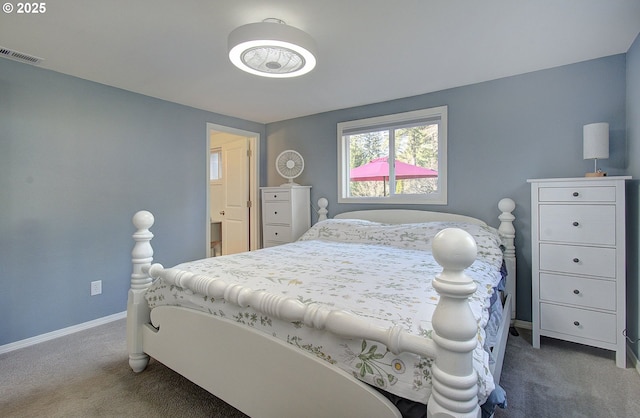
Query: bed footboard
<point>454,389</point>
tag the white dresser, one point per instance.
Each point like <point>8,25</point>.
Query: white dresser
<point>578,261</point>
<point>286,214</point>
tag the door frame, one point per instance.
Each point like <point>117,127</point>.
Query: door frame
<point>254,183</point>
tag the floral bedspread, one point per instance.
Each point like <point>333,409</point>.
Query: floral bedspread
<point>382,272</point>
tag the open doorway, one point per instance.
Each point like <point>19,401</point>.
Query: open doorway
<point>232,193</point>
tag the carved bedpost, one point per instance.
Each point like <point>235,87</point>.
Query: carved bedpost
<point>455,384</point>
<point>322,212</point>
<point>137,307</point>
<point>508,234</point>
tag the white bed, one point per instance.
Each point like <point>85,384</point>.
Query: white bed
<point>207,322</point>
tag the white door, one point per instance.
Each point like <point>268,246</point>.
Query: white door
<point>235,212</point>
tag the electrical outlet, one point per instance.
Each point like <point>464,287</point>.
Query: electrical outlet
<point>96,287</point>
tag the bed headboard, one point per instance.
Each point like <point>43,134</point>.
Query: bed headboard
<point>404,216</point>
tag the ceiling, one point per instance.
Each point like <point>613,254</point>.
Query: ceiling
<point>368,50</point>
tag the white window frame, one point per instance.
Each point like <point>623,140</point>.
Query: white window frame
<point>438,198</point>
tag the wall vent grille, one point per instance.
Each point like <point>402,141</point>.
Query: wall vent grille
<point>19,56</point>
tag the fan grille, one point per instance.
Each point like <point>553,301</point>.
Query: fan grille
<point>289,164</point>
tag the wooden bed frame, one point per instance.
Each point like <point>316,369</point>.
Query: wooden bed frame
<point>265,377</point>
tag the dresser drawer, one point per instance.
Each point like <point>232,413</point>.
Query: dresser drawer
<point>574,259</point>
<point>277,233</point>
<point>578,322</point>
<point>277,213</point>
<point>268,244</point>
<point>583,224</point>
<point>577,194</point>
<point>581,291</point>
<point>276,195</point>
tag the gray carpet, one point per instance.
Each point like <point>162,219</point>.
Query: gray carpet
<point>87,375</point>
<point>564,379</point>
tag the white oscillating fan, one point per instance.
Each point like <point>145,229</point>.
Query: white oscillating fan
<point>290,165</point>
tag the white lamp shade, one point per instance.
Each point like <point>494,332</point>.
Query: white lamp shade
<point>595,141</point>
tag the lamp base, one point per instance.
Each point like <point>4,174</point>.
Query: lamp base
<point>596,174</point>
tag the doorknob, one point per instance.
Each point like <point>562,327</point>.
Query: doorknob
<point>221,212</point>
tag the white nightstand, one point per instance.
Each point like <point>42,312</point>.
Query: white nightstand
<point>578,261</point>
<point>286,214</point>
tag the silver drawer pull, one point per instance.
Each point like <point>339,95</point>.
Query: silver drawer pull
<point>576,323</point>
<point>576,292</point>
<point>576,223</point>
<point>576,260</point>
<point>576,194</point>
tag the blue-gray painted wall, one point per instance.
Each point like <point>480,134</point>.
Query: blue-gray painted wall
<point>77,160</point>
<point>633,195</point>
<point>69,150</point>
<point>500,134</point>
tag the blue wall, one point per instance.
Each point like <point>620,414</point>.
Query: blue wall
<point>633,195</point>
<point>501,133</point>
<point>77,160</point>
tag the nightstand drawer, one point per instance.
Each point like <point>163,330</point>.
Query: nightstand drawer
<point>277,213</point>
<point>578,322</point>
<point>276,195</point>
<point>574,259</point>
<point>581,291</point>
<point>277,233</point>
<point>577,194</point>
<point>583,224</point>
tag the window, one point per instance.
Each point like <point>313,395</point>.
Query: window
<point>215,164</point>
<point>416,145</point>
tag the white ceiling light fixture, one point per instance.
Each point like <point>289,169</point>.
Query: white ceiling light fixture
<point>271,48</point>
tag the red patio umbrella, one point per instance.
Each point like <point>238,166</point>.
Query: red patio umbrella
<point>378,170</point>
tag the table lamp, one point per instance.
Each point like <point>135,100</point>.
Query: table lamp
<point>595,138</point>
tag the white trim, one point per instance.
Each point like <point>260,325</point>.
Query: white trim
<point>631,356</point>
<point>438,198</point>
<point>61,332</point>
<point>254,183</point>
<point>523,324</point>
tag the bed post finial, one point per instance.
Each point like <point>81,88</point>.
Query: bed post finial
<point>455,384</point>
<point>506,229</point>
<point>322,212</point>
<point>137,308</point>
<point>142,254</point>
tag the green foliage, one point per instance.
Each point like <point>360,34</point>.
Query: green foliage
<point>417,145</point>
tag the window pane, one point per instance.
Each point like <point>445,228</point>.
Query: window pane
<point>416,156</point>
<point>367,177</point>
<point>215,165</point>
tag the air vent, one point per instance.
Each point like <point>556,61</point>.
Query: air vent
<point>19,56</point>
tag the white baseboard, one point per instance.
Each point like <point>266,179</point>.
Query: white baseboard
<point>522,324</point>
<point>61,332</point>
<point>631,356</point>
